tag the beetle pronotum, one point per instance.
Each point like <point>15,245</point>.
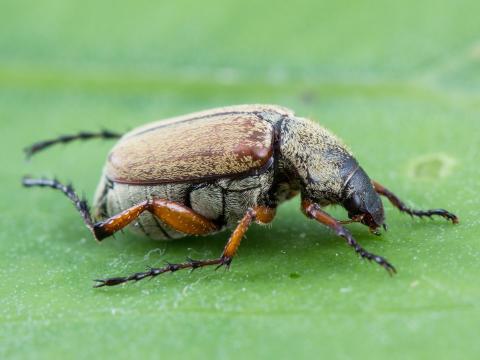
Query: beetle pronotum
<point>226,168</point>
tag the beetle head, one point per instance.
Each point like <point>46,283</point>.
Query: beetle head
<point>362,201</point>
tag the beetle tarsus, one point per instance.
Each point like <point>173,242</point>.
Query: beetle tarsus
<point>109,282</point>
<point>430,213</point>
<point>378,259</point>
<point>64,139</point>
<point>226,261</point>
<point>153,272</point>
<point>314,211</point>
<point>80,203</point>
<point>400,205</point>
<point>195,263</point>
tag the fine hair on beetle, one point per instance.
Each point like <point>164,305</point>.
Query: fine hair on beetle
<point>226,168</point>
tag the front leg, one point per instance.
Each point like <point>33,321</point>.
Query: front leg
<point>314,211</point>
<point>400,205</point>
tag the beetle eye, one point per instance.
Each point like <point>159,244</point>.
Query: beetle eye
<point>356,202</point>
<point>353,205</point>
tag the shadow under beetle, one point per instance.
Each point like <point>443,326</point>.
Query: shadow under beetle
<point>226,168</point>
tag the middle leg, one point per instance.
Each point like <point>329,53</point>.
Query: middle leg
<point>260,214</point>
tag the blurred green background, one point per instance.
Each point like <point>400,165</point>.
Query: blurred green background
<point>398,81</point>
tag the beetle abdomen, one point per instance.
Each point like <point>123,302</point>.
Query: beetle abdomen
<point>225,201</point>
<point>219,143</point>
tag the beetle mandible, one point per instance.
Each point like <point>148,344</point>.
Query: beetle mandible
<point>226,168</point>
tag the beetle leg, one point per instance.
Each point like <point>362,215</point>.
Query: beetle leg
<point>176,215</point>
<point>400,205</point>
<point>80,204</point>
<point>41,145</point>
<point>260,214</point>
<point>314,211</point>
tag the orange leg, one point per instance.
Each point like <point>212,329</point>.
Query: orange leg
<point>260,214</point>
<point>314,211</point>
<point>400,205</point>
<point>175,215</point>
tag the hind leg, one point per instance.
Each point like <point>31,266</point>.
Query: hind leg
<point>175,215</point>
<point>80,204</point>
<point>64,139</point>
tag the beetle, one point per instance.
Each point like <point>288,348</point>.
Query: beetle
<point>226,168</point>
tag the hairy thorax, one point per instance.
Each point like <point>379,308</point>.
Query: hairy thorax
<point>314,157</point>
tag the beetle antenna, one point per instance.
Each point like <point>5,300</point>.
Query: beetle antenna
<point>64,139</point>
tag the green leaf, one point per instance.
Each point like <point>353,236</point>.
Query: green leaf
<point>398,81</point>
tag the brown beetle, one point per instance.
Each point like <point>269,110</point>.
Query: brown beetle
<point>226,168</point>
